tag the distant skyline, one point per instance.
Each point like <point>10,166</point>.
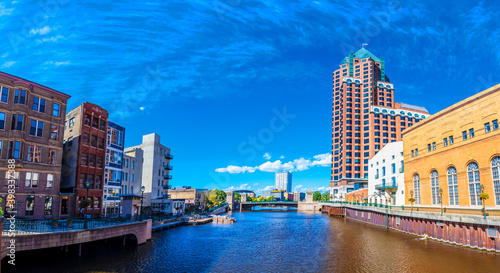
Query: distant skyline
<point>241,89</point>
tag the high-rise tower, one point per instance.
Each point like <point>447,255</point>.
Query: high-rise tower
<point>365,118</point>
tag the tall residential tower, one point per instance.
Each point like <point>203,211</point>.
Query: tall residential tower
<point>283,181</point>
<point>365,118</point>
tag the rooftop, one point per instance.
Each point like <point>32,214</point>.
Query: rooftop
<point>361,54</point>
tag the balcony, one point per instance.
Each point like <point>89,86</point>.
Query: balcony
<point>167,187</point>
<point>168,167</point>
<point>113,198</point>
<point>388,186</point>
<point>167,176</point>
<point>169,156</point>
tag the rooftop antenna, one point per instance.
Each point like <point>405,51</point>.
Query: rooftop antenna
<point>363,46</point>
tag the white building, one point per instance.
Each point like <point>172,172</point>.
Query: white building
<point>386,175</point>
<point>132,172</point>
<point>155,173</point>
<point>283,181</point>
<point>113,170</point>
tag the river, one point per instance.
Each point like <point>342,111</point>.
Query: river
<point>267,241</point>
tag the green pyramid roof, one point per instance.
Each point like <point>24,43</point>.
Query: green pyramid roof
<point>361,54</point>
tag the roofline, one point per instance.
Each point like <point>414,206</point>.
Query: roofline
<point>455,107</point>
<point>16,79</point>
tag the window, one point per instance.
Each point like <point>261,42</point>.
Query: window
<point>95,122</point>
<point>474,184</point>
<point>39,104</point>
<point>445,142</point>
<point>31,180</point>
<point>87,119</point>
<point>451,140</point>
<point>412,153</point>
<point>48,205</point>
<point>92,161</point>
<point>435,187</point>
<point>102,126</point>
<point>383,171</point>
<point>50,181</point>
<point>34,154</point>
<point>433,146</point>
<point>100,143</point>
<point>416,152</point>
<point>93,141</point>
<point>54,131</point>
<point>132,177</point>
<point>52,156</point>
<point>428,147</point>
<point>495,124</point>
<point>1,142</point>
<point>85,139</point>
<point>71,122</point>
<point>453,186</point>
<point>17,122</point>
<point>55,111</point>
<point>14,177</point>
<point>416,188</point>
<point>495,170</point>
<point>99,162</point>
<point>14,149</point>
<point>20,96</point>
<point>471,133</point>
<point>36,128</point>
<point>30,204</point>
<point>487,127</point>
<point>393,166</point>
<point>2,120</point>
<point>464,135</point>
<point>5,94</point>
<point>84,159</point>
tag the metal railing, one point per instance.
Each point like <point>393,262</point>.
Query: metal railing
<point>167,176</point>
<point>22,226</point>
<point>168,167</point>
<point>169,156</point>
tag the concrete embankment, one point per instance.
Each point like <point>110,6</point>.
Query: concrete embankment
<point>465,230</point>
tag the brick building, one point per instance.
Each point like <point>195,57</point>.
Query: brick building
<point>365,117</point>
<point>31,126</point>
<point>83,159</point>
<point>457,150</point>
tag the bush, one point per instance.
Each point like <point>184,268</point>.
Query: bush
<point>483,196</point>
<point>411,199</point>
<point>84,203</point>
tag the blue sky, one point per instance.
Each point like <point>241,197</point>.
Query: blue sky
<point>210,76</point>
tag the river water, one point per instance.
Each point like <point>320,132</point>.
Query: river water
<point>267,241</point>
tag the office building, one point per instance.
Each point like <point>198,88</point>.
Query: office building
<point>83,160</point>
<point>283,181</point>
<point>31,125</point>
<point>113,172</point>
<point>365,117</point>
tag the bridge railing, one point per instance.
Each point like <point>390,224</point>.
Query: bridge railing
<point>22,226</point>
<point>286,202</point>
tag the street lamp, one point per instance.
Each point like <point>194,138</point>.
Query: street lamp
<point>142,198</point>
<point>441,199</point>
<point>87,186</point>
<point>411,194</point>
<point>484,204</point>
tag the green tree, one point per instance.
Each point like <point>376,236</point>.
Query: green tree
<point>260,199</point>
<point>237,196</point>
<point>325,196</point>
<point>316,196</point>
<point>270,198</point>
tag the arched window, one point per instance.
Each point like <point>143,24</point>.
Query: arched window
<point>435,187</point>
<point>495,170</point>
<point>416,115</point>
<point>452,186</point>
<point>416,189</point>
<point>402,112</point>
<point>409,114</point>
<point>376,110</point>
<point>393,168</point>
<point>384,111</point>
<point>474,184</point>
<point>393,113</point>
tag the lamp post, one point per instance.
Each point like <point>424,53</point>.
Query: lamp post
<point>484,204</point>
<point>441,199</point>
<point>142,198</point>
<point>87,186</point>
<point>411,194</point>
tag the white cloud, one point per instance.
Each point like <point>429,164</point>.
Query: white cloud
<point>4,11</point>
<point>51,39</point>
<point>300,164</point>
<point>41,31</point>
<point>281,157</point>
<point>256,184</point>
<point>267,156</point>
<point>268,188</point>
<point>8,64</point>
<point>57,63</point>
<point>241,187</point>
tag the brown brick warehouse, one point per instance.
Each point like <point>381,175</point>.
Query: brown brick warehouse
<point>31,132</point>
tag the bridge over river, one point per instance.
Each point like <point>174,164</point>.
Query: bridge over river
<point>249,204</point>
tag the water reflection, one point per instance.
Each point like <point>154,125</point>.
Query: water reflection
<point>267,241</point>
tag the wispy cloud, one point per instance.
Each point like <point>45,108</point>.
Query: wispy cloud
<point>267,156</point>
<point>41,31</point>
<point>300,164</point>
